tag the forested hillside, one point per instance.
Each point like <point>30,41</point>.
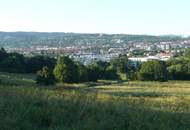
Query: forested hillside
<point>28,39</point>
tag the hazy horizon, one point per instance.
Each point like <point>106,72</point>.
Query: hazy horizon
<point>95,33</point>
<point>147,17</point>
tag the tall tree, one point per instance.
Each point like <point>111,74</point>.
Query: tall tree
<point>124,66</point>
<point>120,63</point>
<point>66,70</point>
<point>83,73</point>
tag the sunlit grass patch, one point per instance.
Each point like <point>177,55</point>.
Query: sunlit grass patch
<point>94,106</point>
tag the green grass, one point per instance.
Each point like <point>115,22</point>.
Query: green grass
<point>105,105</point>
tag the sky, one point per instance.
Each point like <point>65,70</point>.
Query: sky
<point>151,17</point>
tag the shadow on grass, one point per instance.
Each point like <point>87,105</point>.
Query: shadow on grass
<point>11,79</point>
<point>137,94</point>
<point>85,85</point>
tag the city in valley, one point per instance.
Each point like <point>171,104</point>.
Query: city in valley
<point>94,65</point>
<point>90,47</point>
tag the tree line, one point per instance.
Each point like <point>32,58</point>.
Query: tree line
<point>18,63</point>
<point>64,69</point>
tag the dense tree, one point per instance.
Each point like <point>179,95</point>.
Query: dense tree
<point>93,72</point>
<point>66,70</point>
<point>102,70</point>
<point>45,77</point>
<point>153,71</point>
<point>120,63</point>
<point>179,68</point>
<point>14,63</point>
<point>35,63</point>
<point>83,73</point>
<point>187,53</point>
<point>124,66</point>
<point>17,63</point>
<point>111,73</point>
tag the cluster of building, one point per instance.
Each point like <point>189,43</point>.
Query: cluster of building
<point>86,54</point>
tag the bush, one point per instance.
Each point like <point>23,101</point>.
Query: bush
<point>45,77</point>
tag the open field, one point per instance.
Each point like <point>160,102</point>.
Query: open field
<point>106,105</point>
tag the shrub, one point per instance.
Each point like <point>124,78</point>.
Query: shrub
<point>45,77</point>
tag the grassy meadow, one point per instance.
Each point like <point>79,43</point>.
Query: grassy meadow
<point>105,105</point>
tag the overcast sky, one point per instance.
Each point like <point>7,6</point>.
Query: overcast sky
<point>155,17</point>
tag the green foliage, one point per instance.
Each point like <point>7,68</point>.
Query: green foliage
<point>13,62</point>
<point>179,69</point>
<point>66,70</point>
<point>102,70</point>
<point>17,63</point>
<point>45,77</point>
<point>111,73</point>
<point>35,63</point>
<point>93,72</point>
<point>120,64</point>
<point>187,53</point>
<point>83,73</point>
<point>70,71</point>
<point>153,71</point>
<point>124,66</point>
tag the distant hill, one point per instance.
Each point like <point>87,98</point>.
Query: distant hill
<point>28,39</point>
